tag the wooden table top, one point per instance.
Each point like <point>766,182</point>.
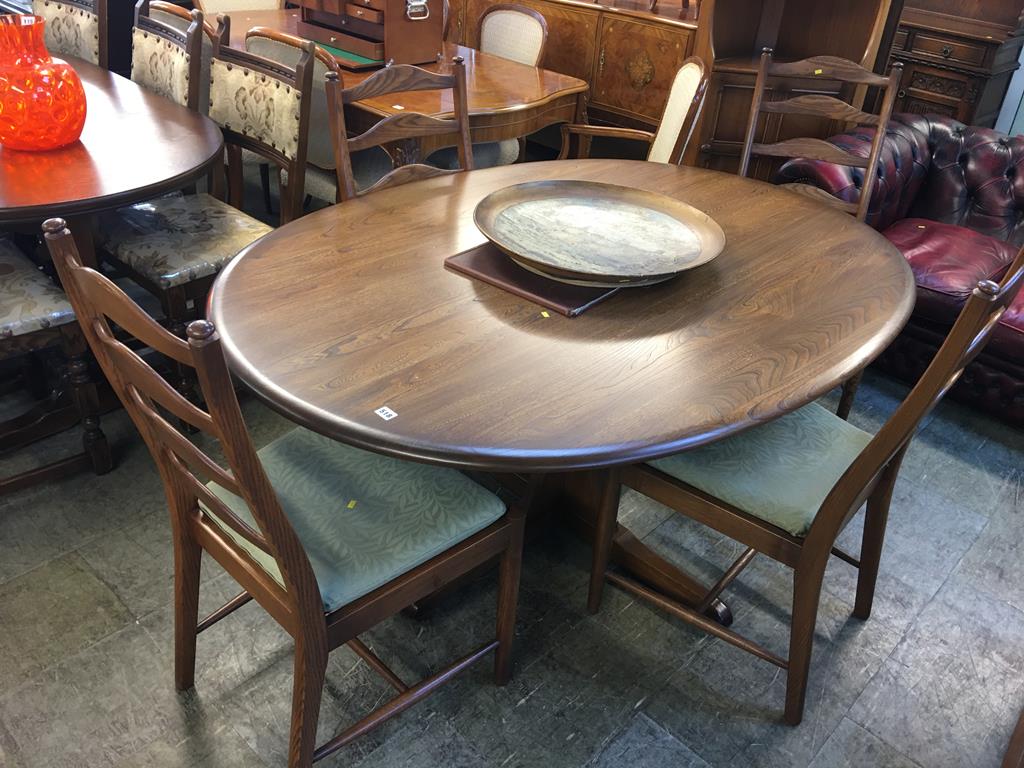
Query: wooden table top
<point>136,145</point>
<point>494,84</point>
<point>350,309</point>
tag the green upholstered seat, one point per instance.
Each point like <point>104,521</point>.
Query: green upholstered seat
<point>780,472</point>
<point>363,519</point>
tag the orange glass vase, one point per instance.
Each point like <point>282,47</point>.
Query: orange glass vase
<point>42,101</point>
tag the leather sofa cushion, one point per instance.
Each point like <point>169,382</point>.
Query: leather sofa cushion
<point>1007,340</point>
<point>948,261</point>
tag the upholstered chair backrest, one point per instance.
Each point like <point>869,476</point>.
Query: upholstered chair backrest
<point>287,50</point>
<point>514,32</point>
<point>165,60</point>
<point>682,110</point>
<point>175,16</point>
<point>75,28</point>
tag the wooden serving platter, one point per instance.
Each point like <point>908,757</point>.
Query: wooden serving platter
<point>591,233</point>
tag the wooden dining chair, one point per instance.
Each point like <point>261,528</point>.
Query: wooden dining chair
<point>675,128</point>
<point>176,16</point>
<point>788,488</point>
<point>330,540</point>
<point>518,33</point>
<point>166,59</point>
<point>854,78</point>
<point>75,28</point>
<point>35,316</point>
<point>401,129</point>
<point>175,246</point>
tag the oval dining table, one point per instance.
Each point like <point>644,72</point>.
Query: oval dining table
<point>136,145</point>
<point>350,309</point>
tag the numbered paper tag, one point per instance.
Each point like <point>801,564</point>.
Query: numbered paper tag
<point>385,413</point>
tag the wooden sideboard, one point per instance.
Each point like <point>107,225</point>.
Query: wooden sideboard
<point>958,57</point>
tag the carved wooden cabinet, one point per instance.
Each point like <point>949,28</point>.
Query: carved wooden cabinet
<point>957,65</point>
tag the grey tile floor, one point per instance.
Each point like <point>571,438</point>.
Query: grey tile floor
<point>935,678</point>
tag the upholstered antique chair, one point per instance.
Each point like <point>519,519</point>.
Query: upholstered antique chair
<point>950,198</point>
<point>75,28</point>
<point>404,126</point>
<point>34,316</point>
<point>854,78</point>
<point>166,59</point>
<point>788,488</point>
<point>175,246</point>
<point>330,540</point>
<point>180,19</point>
<point>513,32</point>
<point>675,128</point>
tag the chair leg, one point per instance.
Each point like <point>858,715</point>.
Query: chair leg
<point>875,519</point>
<point>806,595</point>
<point>308,685</point>
<point>508,598</point>
<point>187,568</point>
<point>178,316</point>
<point>604,530</point>
<point>86,400</point>
<point>849,393</point>
<point>265,185</point>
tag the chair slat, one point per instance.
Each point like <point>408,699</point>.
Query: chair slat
<point>812,149</point>
<point>828,68</point>
<point>819,194</point>
<point>223,511</point>
<point>406,173</point>
<point>405,125</point>
<point>398,78</point>
<point>821,105</point>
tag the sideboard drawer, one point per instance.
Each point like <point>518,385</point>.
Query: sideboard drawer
<point>947,48</point>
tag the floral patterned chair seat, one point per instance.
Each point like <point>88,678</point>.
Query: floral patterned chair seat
<point>29,300</point>
<point>176,240</point>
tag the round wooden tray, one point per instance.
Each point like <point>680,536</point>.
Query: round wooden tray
<point>591,233</point>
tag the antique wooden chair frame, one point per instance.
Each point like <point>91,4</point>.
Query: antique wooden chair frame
<point>190,41</point>
<point>586,133</point>
<point>829,69</point>
<point>399,128</point>
<point>43,421</point>
<point>99,8</point>
<point>525,10</point>
<point>144,7</point>
<point>184,469</point>
<point>870,478</point>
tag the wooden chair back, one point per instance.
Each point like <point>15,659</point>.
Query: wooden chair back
<point>402,127</point>
<point>681,113</point>
<point>513,32</point>
<point>971,331</point>
<point>75,28</point>
<point>263,106</point>
<point>174,15</point>
<point>829,69</point>
<point>167,60</point>
<point>288,49</point>
<point>184,467</point>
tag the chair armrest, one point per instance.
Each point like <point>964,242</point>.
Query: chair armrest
<point>598,130</point>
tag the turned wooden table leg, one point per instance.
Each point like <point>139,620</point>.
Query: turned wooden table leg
<point>84,229</point>
<point>83,386</point>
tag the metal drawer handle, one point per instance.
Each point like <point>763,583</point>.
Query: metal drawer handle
<point>417,10</point>
<point>946,52</point>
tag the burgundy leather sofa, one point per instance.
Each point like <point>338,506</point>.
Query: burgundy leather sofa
<point>951,198</point>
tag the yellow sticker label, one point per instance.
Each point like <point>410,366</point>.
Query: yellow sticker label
<point>920,226</point>
<point>544,314</point>
<point>352,504</point>
<point>818,71</point>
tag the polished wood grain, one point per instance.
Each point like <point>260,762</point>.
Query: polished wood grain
<point>801,298</point>
<point>136,145</point>
<point>506,99</point>
<point>294,600</point>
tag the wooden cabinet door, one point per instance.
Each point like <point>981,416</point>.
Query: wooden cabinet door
<point>929,90</point>
<point>636,66</point>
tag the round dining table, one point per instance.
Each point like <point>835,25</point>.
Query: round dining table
<point>136,145</point>
<point>348,322</point>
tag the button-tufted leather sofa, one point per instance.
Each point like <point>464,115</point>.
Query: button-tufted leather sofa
<point>951,198</point>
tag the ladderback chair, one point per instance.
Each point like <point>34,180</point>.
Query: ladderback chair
<point>165,59</point>
<point>34,316</point>
<point>328,539</point>
<point>175,246</point>
<point>75,28</point>
<point>675,128</point>
<point>513,32</point>
<point>788,488</point>
<point>404,126</point>
<point>180,19</point>
<point>833,70</point>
